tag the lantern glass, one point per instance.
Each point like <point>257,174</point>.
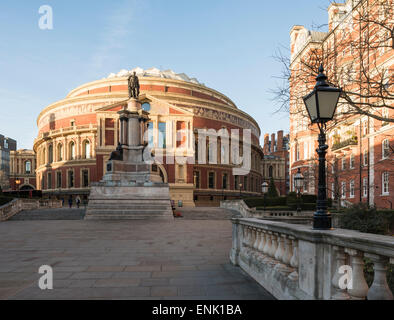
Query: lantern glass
<point>264,187</point>
<point>311,106</point>
<point>298,180</point>
<point>327,101</point>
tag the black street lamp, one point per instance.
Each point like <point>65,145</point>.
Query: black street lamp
<point>18,183</point>
<point>321,104</point>
<point>264,189</point>
<point>299,182</point>
<point>240,190</point>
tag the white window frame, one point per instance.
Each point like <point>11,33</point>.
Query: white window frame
<point>343,165</point>
<point>351,187</point>
<point>385,183</point>
<point>385,146</point>
<point>351,161</point>
<point>343,190</point>
<point>365,187</point>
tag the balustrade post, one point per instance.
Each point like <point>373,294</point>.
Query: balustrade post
<point>257,238</point>
<point>268,244</point>
<point>379,289</point>
<point>294,260</point>
<point>274,245</point>
<point>245,236</point>
<point>339,260</point>
<point>288,251</point>
<point>281,248</point>
<point>262,241</point>
<point>359,288</point>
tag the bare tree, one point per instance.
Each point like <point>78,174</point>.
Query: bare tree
<point>352,57</point>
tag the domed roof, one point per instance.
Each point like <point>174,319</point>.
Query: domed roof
<point>154,72</point>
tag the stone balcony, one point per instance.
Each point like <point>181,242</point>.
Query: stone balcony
<point>345,144</point>
<point>296,262</point>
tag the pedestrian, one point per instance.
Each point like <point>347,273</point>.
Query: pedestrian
<point>70,201</point>
<point>62,202</point>
<point>78,200</point>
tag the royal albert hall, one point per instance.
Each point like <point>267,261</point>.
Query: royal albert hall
<point>77,134</point>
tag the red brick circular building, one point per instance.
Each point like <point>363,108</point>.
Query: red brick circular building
<point>77,134</point>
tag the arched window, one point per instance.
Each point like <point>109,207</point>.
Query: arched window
<point>28,167</point>
<point>50,153</point>
<point>44,158</point>
<point>72,150</point>
<point>86,149</point>
<point>270,172</point>
<point>59,152</point>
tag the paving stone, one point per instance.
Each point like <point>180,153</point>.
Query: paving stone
<point>115,283</point>
<point>164,291</point>
<point>191,291</point>
<point>151,282</point>
<point>142,268</point>
<point>91,275</point>
<point>131,275</point>
<point>186,259</point>
<point>105,268</point>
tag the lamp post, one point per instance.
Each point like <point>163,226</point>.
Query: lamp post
<point>299,182</point>
<point>264,189</point>
<point>18,182</point>
<point>240,190</point>
<point>321,104</point>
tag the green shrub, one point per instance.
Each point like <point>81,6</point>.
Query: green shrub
<point>260,201</point>
<point>5,200</point>
<point>366,219</point>
<point>309,198</point>
<point>272,192</point>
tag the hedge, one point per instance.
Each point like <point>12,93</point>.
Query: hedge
<point>5,200</point>
<point>260,202</point>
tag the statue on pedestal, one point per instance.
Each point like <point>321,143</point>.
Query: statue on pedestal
<point>134,86</point>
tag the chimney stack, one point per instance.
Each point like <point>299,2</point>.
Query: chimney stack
<point>266,144</point>
<point>280,141</point>
<point>273,142</point>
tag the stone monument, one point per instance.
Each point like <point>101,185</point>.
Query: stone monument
<point>131,187</point>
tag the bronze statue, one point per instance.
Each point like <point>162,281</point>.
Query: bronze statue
<point>134,86</point>
<point>117,154</point>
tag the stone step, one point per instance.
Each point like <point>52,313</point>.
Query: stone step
<point>96,216</point>
<point>129,212</point>
<point>50,214</point>
<point>127,206</point>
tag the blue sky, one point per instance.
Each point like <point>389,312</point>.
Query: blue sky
<point>226,44</point>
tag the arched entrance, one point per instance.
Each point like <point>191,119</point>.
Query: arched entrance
<point>26,187</point>
<point>163,173</point>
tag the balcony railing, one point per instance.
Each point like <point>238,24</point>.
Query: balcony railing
<point>353,141</point>
<point>296,262</point>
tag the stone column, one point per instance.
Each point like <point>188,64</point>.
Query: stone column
<point>134,139</point>
<point>123,128</point>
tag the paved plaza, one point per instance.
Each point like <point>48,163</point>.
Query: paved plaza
<point>184,259</point>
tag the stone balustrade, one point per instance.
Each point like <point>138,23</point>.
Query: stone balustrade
<point>296,262</point>
<point>17,205</point>
<point>303,217</point>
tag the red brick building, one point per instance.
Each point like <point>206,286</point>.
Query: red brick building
<point>360,160</point>
<point>77,134</point>
<point>275,164</point>
<point>22,170</point>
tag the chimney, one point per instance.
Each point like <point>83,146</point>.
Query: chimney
<point>266,144</point>
<point>280,140</point>
<point>273,142</point>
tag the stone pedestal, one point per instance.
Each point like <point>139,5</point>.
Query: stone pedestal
<point>131,187</point>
